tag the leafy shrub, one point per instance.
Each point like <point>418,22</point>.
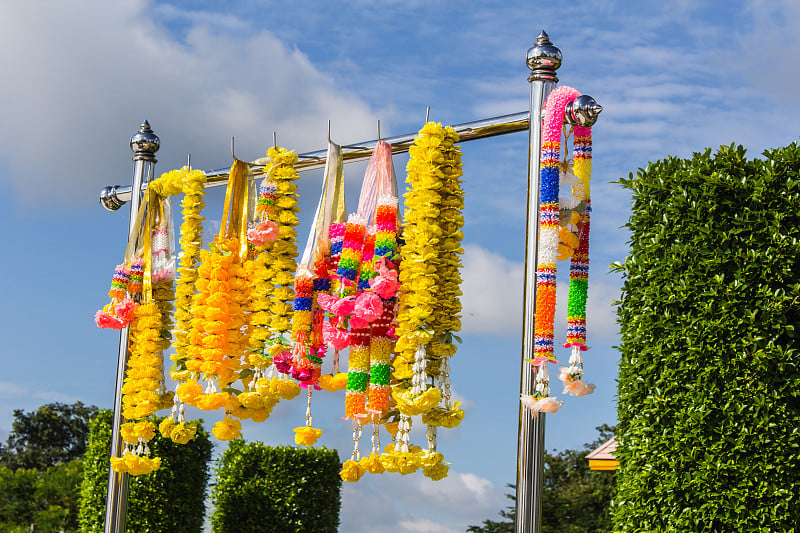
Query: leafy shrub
<point>282,489</point>
<point>46,499</point>
<point>709,384</point>
<point>171,499</point>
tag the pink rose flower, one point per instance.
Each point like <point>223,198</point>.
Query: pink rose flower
<point>344,306</point>
<point>337,338</point>
<point>540,360</point>
<point>326,301</point>
<point>104,319</point>
<point>283,362</point>
<point>262,233</point>
<point>386,283</point>
<point>126,310</point>
<point>368,307</point>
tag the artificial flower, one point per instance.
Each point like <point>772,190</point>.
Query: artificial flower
<point>333,383</point>
<point>104,319</point>
<point>368,306</point>
<point>227,428</point>
<point>166,426</point>
<point>352,471</point>
<point>410,404</point>
<point>337,338</point>
<point>125,310</point>
<point>306,435</point>
<point>579,388</point>
<point>263,232</point>
<point>548,404</point>
<point>372,464</point>
<point>436,472</point>
<point>183,433</point>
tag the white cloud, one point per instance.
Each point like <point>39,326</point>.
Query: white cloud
<point>426,526</point>
<point>492,290</point>
<point>19,392</point>
<point>493,296</point>
<point>91,71</point>
<point>414,503</point>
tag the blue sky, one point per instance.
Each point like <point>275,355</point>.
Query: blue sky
<point>79,77</point>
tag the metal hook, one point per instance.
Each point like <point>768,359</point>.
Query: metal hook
<point>428,115</point>
<point>274,139</point>
<point>379,129</point>
<point>233,155</point>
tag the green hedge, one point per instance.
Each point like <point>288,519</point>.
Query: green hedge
<point>276,490</point>
<point>171,499</point>
<point>709,384</point>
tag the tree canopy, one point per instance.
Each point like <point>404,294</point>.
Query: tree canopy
<point>54,434</point>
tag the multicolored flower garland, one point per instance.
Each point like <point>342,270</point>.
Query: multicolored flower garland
<point>235,301</point>
<point>552,235</point>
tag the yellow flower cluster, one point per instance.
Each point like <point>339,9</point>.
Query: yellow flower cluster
<point>429,307</point>
<point>393,460</point>
<point>333,383</point>
<point>143,389</point>
<point>273,294</point>
<point>445,418</point>
<point>135,464</point>
<point>216,341</point>
<point>411,405</point>
<point>133,431</point>
<point>227,428</point>
<point>180,433</point>
<point>306,435</point>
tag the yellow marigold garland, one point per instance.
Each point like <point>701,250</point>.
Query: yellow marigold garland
<point>429,307</point>
<point>192,184</point>
<point>281,256</point>
<point>143,391</point>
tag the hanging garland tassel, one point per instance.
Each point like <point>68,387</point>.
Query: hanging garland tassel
<point>558,239</point>
<point>572,376</point>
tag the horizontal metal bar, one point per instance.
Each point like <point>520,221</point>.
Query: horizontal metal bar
<point>467,131</point>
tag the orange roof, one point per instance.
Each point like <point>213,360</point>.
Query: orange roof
<point>603,457</point>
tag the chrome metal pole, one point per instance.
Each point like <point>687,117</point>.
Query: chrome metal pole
<point>543,59</point>
<point>144,144</point>
<point>113,197</point>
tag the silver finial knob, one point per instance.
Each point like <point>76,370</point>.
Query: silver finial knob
<point>109,200</point>
<point>543,59</point>
<point>583,111</point>
<point>144,142</point>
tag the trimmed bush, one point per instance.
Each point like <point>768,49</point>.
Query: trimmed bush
<point>709,384</point>
<point>276,490</point>
<point>171,499</point>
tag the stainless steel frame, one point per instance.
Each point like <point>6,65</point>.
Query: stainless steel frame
<point>543,59</point>
<point>144,144</point>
